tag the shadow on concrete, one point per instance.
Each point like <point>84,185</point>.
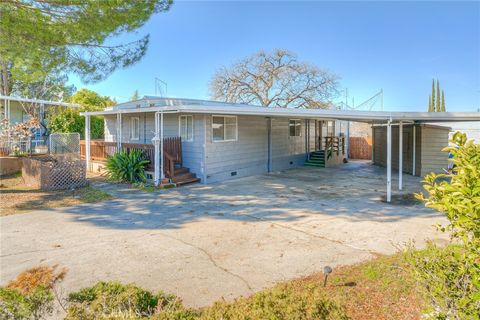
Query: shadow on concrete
<point>352,191</point>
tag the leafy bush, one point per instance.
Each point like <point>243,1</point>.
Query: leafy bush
<point>451,276</point>
<point>282,302</point>
<point>17,305</point>
<point>69,120</point>
<point>127,166</point>
<point>109,300</point>
<point>30,295</point>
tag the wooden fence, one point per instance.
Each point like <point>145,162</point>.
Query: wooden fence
<point>360,148</point>
<point>172,149</point>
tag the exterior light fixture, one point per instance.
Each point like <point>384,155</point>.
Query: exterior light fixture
<point>326,270</point>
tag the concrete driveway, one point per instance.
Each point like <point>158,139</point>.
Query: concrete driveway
<point>222,240</point>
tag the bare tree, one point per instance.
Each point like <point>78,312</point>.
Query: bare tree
<point>275,79</point>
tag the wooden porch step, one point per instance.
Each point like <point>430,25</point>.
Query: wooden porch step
<point>183,176</point>
<point>180,171</point>
<point>187,181</point>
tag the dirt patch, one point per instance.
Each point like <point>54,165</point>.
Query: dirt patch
<point>16,197</point>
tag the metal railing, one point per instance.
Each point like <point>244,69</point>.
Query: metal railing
<point>23,146</point>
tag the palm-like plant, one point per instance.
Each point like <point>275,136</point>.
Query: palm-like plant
<point>127,166</point>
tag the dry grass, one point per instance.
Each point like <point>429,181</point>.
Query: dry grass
<point>15,197</point>
<point>45,276</point>
<point>382,288</point>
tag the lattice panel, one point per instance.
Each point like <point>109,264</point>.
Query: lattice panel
<point>54,173</point>
<point>65,143</point>
<point>66,174</point>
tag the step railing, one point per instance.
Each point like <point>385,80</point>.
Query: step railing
<point>334,145</point>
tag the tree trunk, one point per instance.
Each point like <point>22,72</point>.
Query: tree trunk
<point>5,79</point>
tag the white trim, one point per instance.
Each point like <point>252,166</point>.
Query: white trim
<point>358,116</point>
<point>51,103</point>
<point>180,127</point>
<point>224,127</point>
<point>131,136</point>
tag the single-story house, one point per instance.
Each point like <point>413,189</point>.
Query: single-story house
<point>17,110</point>
<point>214,141</point>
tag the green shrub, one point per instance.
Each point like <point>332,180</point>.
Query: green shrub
<point>281,302</point>
<point>69,120</point>
<point>108,300</point>
<point>17,305</point>
<point>127,166</point>
<point>451,276</point>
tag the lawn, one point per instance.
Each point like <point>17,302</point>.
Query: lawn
<point>18,198</point>
<point>382,288</point>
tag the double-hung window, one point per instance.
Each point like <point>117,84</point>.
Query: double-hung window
<point>294,127</point>
<point>224,128</point>
<point>186,128</point>
<point>135,128</point>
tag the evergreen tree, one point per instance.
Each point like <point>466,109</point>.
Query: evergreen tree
<point>433,96</point>
<point>443,101</point>
<point>135,95</point>
<point>430,105</point>
<point>437,103</point>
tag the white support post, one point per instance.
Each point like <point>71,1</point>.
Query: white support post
<point>414,166</point>
<point>156,142</point>
<point>389,161</point>
<point>400,156</point>
<point>162,173</point>
<point>87,142</point>
<point>269,144</point>
<point>119,132</point>
<point>348,141</point>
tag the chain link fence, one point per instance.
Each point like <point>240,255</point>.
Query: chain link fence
<point>65,143</point>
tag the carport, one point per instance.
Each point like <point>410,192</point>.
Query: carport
<point>377,119</point>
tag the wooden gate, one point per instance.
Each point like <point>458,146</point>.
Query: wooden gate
<point>360,148</point>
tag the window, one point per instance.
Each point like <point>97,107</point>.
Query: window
<point>224,128</point>
<point>134,128</point>
<point>330,128</point>
<point>294,127</point>
<point>186,128</point>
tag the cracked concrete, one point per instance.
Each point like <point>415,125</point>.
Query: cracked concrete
<point>221,240</point>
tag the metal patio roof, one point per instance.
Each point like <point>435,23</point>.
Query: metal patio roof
<point>347,115</point>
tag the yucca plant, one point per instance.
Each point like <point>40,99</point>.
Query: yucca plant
<point>127,166</point>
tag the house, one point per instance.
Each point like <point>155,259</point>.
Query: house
<point>215,141</point>
<point>217,146</point>
<point>17,110</point>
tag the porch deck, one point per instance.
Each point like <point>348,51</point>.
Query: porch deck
<point>100,150</point>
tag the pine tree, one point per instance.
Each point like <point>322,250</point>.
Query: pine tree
<point>443,101</point>
<point>433,96</point>
<point>437,103</point>
<point>430,105</point>
<point>135,95</point>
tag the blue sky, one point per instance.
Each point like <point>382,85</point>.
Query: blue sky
<point>397,46</point>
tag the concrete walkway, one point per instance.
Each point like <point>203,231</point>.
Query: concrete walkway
<point>222,240</point>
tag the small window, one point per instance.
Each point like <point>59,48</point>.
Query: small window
<point>294,127</point>
<point>224,128</point>
<point>186,128</point>
<point>330,128</point>
<point>135,128</point>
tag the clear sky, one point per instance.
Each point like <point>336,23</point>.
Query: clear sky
<point>397,46</point>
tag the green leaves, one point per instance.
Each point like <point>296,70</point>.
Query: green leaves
<point>37,37</point>
<point>127,166</point>
<point>452,277</point>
